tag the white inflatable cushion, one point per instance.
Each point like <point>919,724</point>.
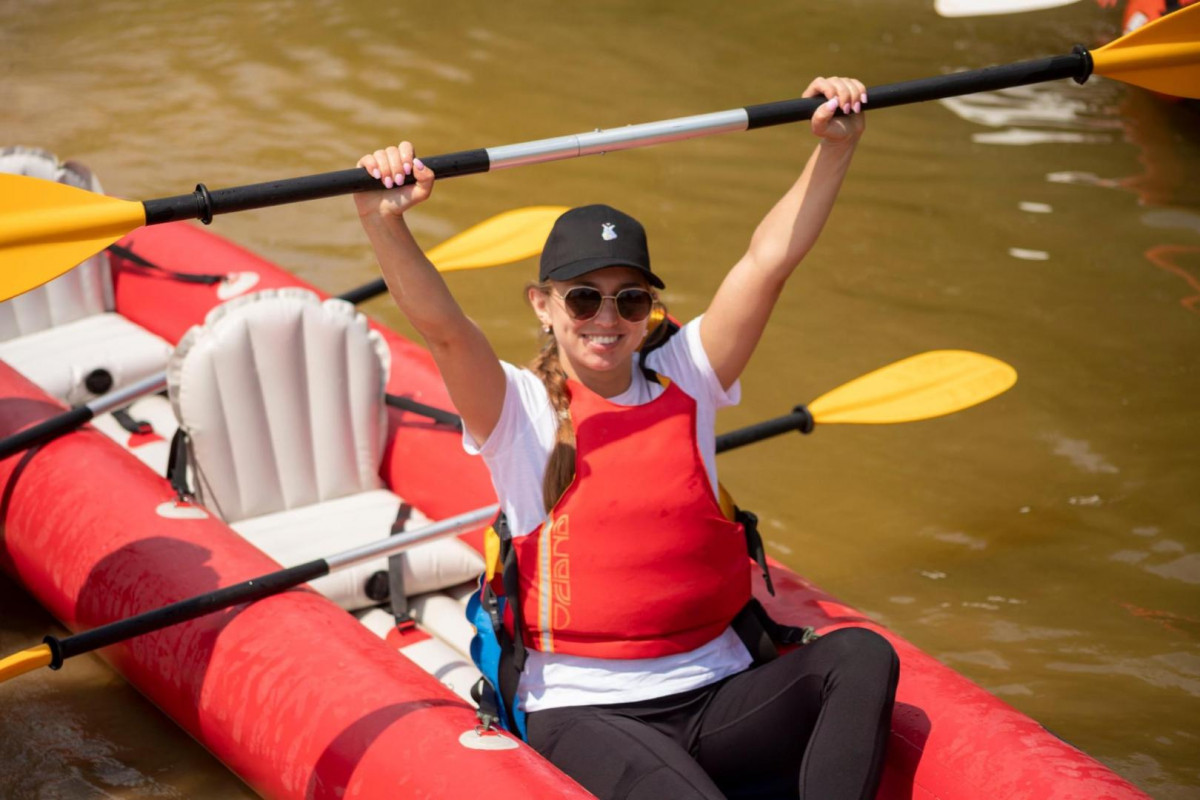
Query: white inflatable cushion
<point>58,359</point>
<point>79,293</point>
<point>282,396</point>
<point>303,534</point>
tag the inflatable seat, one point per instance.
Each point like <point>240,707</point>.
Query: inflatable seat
<point>281,397</point>
<point>66,332</point>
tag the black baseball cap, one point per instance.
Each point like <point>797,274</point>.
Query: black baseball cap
<point>594,237</point>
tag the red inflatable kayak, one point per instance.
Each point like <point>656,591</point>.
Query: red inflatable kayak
<point>301,700</point>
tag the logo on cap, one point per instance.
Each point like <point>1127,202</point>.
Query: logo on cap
<point>606,231</point>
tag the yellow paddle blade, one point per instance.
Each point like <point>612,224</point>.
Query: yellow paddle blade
<point>25,661</point>
<point>1163,55</point>
<point>47,228</point>
<point>927,385</point>
<point>502,239</point>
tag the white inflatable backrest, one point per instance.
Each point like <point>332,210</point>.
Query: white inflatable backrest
<point>79,293</point>
<point>283,399</point>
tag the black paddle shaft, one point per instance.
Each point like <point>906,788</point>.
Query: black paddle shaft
<point>45,430</point>
<point>203,204</point>
<point>1077,66</point>
<point>184,610</point>
<point>799,420</point>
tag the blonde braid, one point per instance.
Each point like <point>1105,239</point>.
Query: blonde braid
<point>560,468</point>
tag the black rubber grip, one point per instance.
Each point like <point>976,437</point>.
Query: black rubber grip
<point>205,203</point>
<point>1077,65</point>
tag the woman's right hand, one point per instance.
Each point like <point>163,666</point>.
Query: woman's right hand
<point>391,166</point>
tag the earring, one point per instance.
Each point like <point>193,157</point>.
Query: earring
<point>547,329</point>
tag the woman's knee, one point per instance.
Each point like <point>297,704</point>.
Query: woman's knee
<point>865,652</point>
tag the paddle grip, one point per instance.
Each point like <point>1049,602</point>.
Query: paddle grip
<point>204,203</point>
<point>1077,65</point>
<point>799,420</point>
<point>184,610</point>
<point>45,431</point>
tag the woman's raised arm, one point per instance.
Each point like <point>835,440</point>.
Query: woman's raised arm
<point>468,364</point>
<point>738,313</point>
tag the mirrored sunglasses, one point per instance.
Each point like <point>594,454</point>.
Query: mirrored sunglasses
<point>585,302</point>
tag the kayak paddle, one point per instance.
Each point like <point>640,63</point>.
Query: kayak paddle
<point>507,237</point>
<point>47,228</point>
<point>53,651</point>
<point>930,384</point>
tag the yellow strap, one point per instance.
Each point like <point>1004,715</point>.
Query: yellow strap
<point>491,552</point>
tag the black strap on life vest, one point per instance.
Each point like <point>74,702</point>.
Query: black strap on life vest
<point>763,636</point>
<point>754,544</point>
<point>512,647</point>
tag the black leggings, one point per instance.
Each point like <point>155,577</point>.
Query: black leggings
<point>811,724</point>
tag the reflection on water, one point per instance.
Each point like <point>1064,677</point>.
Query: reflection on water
<point>1044,544</point>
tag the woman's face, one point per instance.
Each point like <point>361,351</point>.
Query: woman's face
<point>598,350</point>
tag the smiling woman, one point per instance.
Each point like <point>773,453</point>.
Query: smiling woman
<point>627,581</point>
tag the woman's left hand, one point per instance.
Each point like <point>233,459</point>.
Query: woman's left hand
<point>847,94</point>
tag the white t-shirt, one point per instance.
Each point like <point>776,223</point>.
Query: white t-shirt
<point>516,453</point>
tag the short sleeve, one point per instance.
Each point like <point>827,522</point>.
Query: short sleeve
<point>684,360</point>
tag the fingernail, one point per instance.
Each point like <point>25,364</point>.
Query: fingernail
<point>846,108</point>
<point>377,174</point>
<point>387,181</point>
<point>864,98</point>
<point>399,180</point>
<point>419,164</point>
<point>857,107</point>
<point>832,103</point>
<point>408,169</point>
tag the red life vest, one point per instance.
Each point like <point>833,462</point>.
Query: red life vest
<point>636,559</point>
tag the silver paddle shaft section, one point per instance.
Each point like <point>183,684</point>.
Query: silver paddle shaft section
<point>599,142</point>
<point>403,541</point>
<point>123,397</point>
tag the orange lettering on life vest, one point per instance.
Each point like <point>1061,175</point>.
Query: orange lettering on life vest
<point>560,573</point>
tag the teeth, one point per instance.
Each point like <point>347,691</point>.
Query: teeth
<point>604,339</point>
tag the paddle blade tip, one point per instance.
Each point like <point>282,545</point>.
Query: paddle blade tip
<point>930,384</point>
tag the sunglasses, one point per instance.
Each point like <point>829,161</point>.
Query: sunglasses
<point>585,302</point>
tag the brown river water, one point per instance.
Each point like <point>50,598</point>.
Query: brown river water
<point>1046,544</point>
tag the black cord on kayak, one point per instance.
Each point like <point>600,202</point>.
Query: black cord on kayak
<point>183,277</point>
<point>436,414</point>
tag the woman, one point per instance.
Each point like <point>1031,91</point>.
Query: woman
<point>635,684</point>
